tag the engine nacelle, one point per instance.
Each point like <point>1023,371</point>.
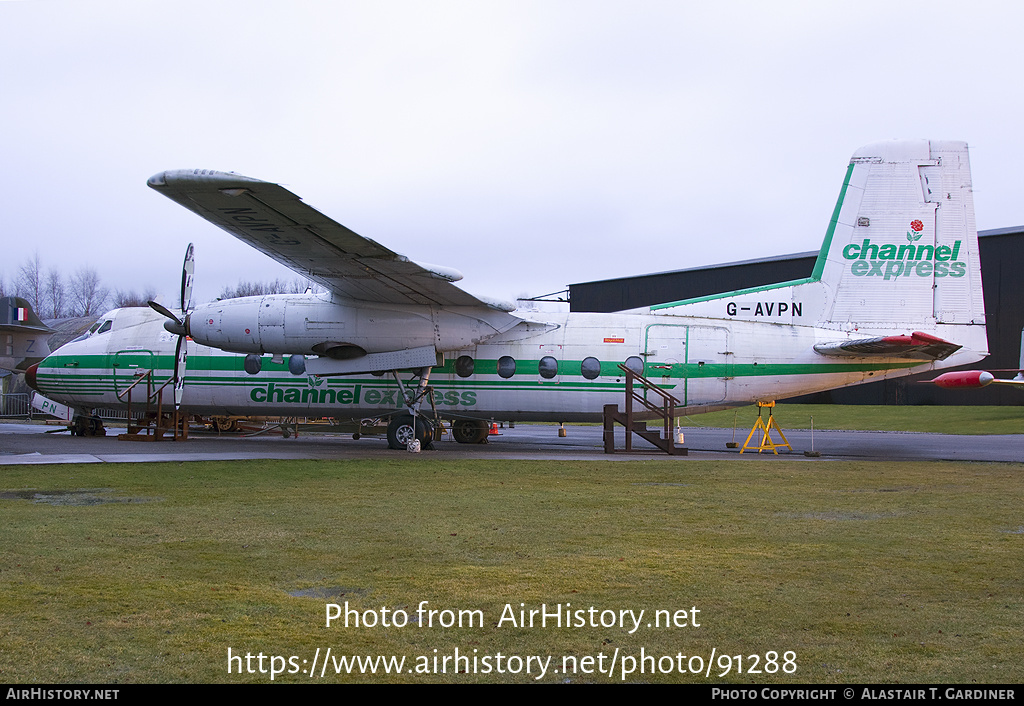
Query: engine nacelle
<point>309,324</point>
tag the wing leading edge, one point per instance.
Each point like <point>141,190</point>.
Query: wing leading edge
<point>277,223</point>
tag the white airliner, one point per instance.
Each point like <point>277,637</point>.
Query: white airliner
<point>896,290</point>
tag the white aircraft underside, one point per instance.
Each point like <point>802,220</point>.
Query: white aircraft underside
<point>896,290</point>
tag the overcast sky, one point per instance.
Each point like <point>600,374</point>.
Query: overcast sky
<point>527,144</point>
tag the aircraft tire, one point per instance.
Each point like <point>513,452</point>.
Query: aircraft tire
<point>224,424</point>
<point>470,431</point>
<point>400,432</point>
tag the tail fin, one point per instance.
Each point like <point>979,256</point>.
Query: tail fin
<point>902,248</point>
<point>900,256</point>
<point>22,335</point>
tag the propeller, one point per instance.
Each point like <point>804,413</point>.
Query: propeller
<point>178,326</point>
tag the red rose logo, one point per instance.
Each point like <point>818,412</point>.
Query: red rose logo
<point>917,226</point>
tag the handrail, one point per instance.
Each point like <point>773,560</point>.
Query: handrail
<point>665,410</point>
<point>154,394</point>
<point>668,400</point>
<point>139,378</point>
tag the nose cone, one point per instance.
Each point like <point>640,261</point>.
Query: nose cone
<point>174,327</point>
<point>964,378</point>
<point>30,376</point>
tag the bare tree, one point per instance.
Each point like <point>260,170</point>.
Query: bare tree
<point>276,286</point>
<point>129,297</point>
<point>29,282</point>
<point>88,296</point>
<point>55,294</point>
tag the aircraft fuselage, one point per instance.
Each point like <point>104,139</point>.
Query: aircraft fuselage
<point>543,367</point>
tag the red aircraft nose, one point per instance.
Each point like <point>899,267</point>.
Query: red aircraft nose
<point>30,377</point>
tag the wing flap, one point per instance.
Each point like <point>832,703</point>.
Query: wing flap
<point>917,346</point>
<point>277,223</point>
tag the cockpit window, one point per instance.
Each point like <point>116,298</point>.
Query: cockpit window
<point>106,326</point>
<point>92,329</point>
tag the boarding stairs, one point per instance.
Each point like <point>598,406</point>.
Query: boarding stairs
<point>655,403</point>
<point>154,422</point>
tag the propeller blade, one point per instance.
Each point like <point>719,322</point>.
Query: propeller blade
<point>188,269</point>
<point>161,309</point>
<point>180,363</point>
<point>173,324</point>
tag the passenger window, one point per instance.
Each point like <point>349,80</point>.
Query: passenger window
<point>548,367</point>
<point>464,366</point>
<point>506,366</point>
<point>636,364</point>
<point>591,368</point>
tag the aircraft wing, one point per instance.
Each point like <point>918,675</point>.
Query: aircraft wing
<point>918,346</point>
<point>276,222</point>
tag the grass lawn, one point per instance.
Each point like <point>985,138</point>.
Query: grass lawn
<point>865,572</point>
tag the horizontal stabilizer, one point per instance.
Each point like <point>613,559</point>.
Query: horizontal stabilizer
<point>54,409</point>
<point>918,346</point>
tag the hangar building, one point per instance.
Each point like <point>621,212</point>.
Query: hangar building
<point>1002,253</point>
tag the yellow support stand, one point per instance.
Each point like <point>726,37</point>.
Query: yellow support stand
<point>766,439</point>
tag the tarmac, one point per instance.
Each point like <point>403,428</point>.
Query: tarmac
<point>30,443</point>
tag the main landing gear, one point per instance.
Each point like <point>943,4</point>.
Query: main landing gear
<point>401,434</point>
<point>88,425</point>
<point>411,430</point>
<point>470,431</point>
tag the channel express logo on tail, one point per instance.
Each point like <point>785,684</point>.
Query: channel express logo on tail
<point>910,259</point>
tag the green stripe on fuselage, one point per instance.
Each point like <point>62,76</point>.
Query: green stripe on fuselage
<point>526,371</point>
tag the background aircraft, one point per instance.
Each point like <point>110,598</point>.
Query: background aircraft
<point>22,335</point>
<point>982,378</point>
<point>896,290</point>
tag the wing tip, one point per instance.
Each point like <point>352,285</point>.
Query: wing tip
<point>184,177</point>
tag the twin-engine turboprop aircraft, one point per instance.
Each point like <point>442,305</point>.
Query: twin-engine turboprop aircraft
<point>896,289</point>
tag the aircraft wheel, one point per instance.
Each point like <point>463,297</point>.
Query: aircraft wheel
<point>470,431</point>
<point>96,427</point>
<point>400,432</point>
<point>224,424</point>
